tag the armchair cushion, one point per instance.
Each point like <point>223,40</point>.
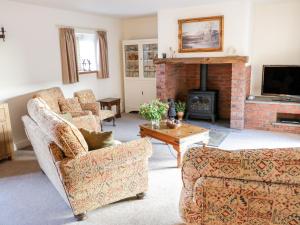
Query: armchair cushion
<point>97,140</point>
<point>62,132</point>
<point>69,105</point>
<point>85,96</point>
<point>94,107</point>
<point>106,114</point>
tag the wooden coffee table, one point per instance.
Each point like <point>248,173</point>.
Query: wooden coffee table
<point>179,138</point>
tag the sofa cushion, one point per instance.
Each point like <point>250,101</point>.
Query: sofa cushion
<point>69,105</point>
<point>57,153</point>
<point>62,132</point>
<point>67,117</point>
<point>88,122</point>
<point>51,97</point>
<point>97,140</point>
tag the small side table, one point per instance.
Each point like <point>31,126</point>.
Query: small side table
<point>109,102</point>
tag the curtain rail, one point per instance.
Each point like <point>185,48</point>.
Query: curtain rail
<point>79,28</point>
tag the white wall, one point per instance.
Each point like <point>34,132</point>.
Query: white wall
<point>267,31</point>
<point>236,26</point>
<point>276,37</point>
<point>30,56</point>
<point>139,28</point>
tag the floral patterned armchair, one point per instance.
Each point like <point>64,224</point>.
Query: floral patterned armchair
<point>88,101</point>
<point>247,187</point>
<point>80,118</point>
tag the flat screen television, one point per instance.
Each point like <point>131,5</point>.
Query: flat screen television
<point>281,80</point>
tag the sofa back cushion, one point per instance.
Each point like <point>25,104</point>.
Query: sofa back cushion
<point>51,96</point>
<point>88,122</point>
<point>62,132</point>
<point>69,105</point>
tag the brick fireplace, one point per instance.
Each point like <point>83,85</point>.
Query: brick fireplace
<point>230,76</point>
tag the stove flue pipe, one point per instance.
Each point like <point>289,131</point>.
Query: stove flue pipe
<point>203,76</point>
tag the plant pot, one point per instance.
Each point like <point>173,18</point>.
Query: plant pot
<point>155,124</point>
<point>180,115</point>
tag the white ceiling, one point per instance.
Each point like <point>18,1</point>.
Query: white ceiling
<point>121,8</point>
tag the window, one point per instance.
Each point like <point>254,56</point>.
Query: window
<point>87,51</point>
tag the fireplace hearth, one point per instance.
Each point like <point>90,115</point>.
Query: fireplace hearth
<point>202,104</point>
<point>178,78</point>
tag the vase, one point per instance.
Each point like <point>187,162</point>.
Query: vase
<point>180,115</point>
<point>155,124</point>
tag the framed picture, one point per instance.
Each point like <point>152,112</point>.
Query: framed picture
<point>201,34</point>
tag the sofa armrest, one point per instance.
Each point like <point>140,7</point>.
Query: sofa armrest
<point>267,165</point>
<point>85,168</point>
<point>94,107</point>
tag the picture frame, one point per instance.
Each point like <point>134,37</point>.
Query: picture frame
<point>205,34</point>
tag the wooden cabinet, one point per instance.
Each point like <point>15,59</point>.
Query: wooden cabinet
<point>6,145</point>
<point>139,72</point>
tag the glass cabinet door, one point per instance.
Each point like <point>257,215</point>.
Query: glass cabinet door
<point>149,54</point>
<point>132,60</point>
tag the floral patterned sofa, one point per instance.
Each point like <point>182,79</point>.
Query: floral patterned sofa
<point>247,187</point>
<point>85,179</point>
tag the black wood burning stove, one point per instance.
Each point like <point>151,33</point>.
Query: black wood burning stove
<point>202,104</point>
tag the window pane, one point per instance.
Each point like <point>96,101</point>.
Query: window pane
<point>87,51</point>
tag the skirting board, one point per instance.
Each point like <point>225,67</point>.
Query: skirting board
<point>21,144</point>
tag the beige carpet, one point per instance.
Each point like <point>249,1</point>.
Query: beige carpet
<point>28,198</point>
<point>23,163</point>
<point>32,200</point>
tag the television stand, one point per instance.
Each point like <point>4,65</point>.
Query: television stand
<point>289,121</point>
<point>279,99</point>
<point>286,99</point>
<point>280,114</point>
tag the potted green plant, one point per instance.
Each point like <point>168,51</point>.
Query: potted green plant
<point>180,109</point>
<point>154,111</point>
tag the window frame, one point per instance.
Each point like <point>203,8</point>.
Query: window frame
<point>84,31</point>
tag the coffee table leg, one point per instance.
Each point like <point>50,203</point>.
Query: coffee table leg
<point>178,150</point>
<point>205,142</point>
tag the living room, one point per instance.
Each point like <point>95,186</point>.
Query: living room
<point>226,162</point>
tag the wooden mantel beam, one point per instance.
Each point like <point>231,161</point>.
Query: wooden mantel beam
<point>204,60</point>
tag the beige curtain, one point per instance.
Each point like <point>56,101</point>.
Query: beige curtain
<point>68,56</point>
<point>103,52</point>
